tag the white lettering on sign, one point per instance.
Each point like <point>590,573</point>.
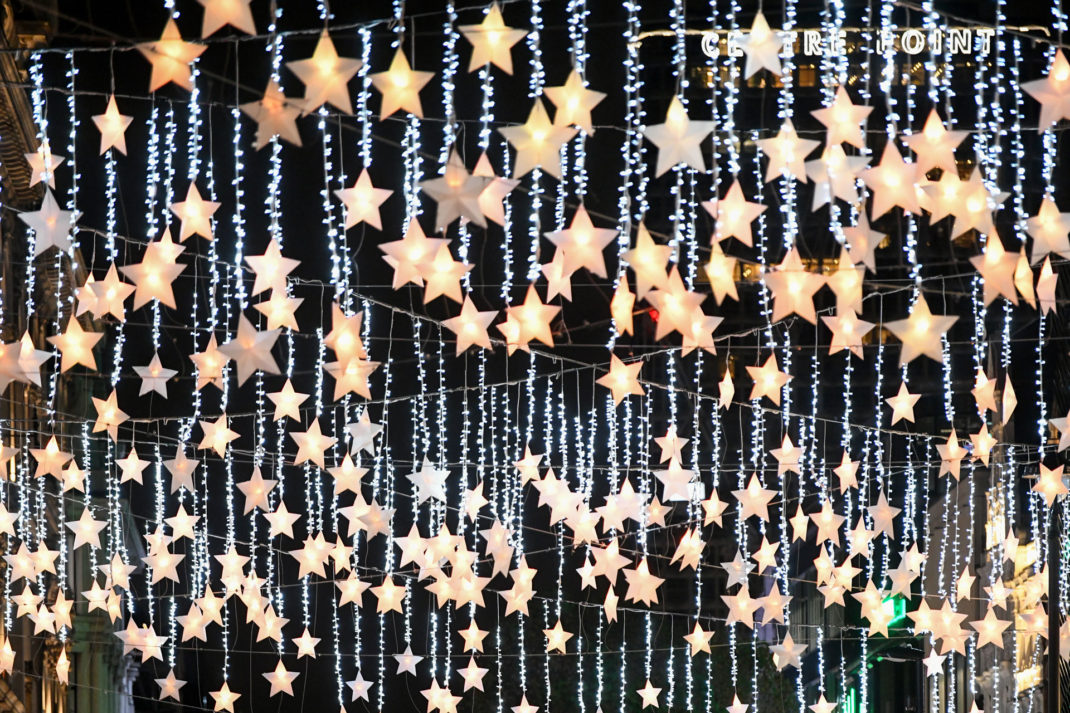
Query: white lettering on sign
<point>816,43</point>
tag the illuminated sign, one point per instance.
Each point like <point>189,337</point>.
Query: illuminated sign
<point>819,43</point>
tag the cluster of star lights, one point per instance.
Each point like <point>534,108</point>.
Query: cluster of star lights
<point>468,568</point>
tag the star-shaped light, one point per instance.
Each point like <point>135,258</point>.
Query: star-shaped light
<point>862,241</point>
<point>573,102</point>
<point>622,379</point>
<point>934,146</point>
<point>492,197</point>
<point>472,675</point>
<point>456,193</point>
<point>1049,229</point>
<point>582,243</point>
<point>281,680</point>
<point>400,86</point>
<point>470,326</point>
<point>218,13</point>
<point>256,491</point>
<point>224,698</point>
<point>158,268</point>
<point>251,350</point>
<point>1053,92</point>
<point>761,46</point>
<point>537,142</point>
<point>112,127</point>
<point>43,165</point>
<point>920,332</point>
<point>793,288</point>
<point>1050,484</point>
<point>109,415</point>
<point>734,214</point>
<point>195,214</point>
<point>181,469</point>
<point>843,120</point>
<point>170,57</point>
<point>492,41</point>
<point>847,332</point>
<point>530,320</point>
<point>407,661</point>
<point>86,530</point>
<point>287,402</point>
<point>768,380</point>
<point>325,76</point>
<point>76,346</point>
<point>429,482</point>
<point>51,226</point>
<point>787,153</point>
<point>903,404</point>
<point>275,115</point>
<point>649,695</point>
<point>312,444</point>
<point>410,255</point>
<point>990,629</point>
<point>556,638</point>
<point>678,139</point>
<point>209,364</point>
<point>834,175</point>
<point>271,269</point>
<point>754,499</point>
<point>787,653</point>
<point>362,201</point>
<point>170,686</point>
<point>892,183</point>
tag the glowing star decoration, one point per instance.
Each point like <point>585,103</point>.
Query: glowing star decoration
<point>287,402</point>
<point>492,41</point>
<point>443,275</point>
<point>492,196</point>
<point>400,86</point>
<point>768,380</point>
<point>883,516</point>
<point>1046,282</point>
<point>410,255</point>
<point>642,585</point>
<point>531,320</point>
<point>76,346</point>
<point>472,675</point>
<point>217,435</point>
<point>558,279</point>
<point>209,364</point>
<point>1050,484</point>
<point>862,242</point>
<point>312,445</point>
<point>573,102</point>
<point>251,350</point>
<point>154,377</point>
<point>109,415</point>
<point>275,115</point>
<point>843,120</point>
<point>649,695</point>
<point>281,521</point>
<point>787,653</point>
<point>582,243</point>
<point>195,214</point>
<point>846,282</point>
<point>793,288</point>
<point>131,466</point>
<point>920,333</point>
<point>109,295</point>
<point>726,391</point>
<point>622,379</point>
<point>787,153</point>
<point>754,499</point>
<point>429,482</point>
<point>537,142</point>
<point>1049,229</point>
<point>219,13</point>
<point>648,261</point>
<point>678,309</point>
<point>181,469</point>
<point>622,307</point>
<point>170,686</point>
<point>224,698</point>
<point>359,687</point>
<point>281,680</point>
<point>556,638</point>
<point>362,201</point>
<point>112,127</point>
<point>158,268</point>
<point>934,146</point>
<point>678,139</point>
<point>271,269</point>
<point>325,76</point>
<point>86,530</point>
<point>822,706</point>
<point>407,660</point>
<point>848,332</point>
<point>762,48</point>
<point>471,326</point>
<point>170,57</point>
<point>456,194</point>
<point>306,644</point>
<point>834,175</point>
<point>983,443</point>
<point>903,404</point>
<point>43,165</point>
<point>990,629</point>
<point>362,434</point>
<point>280,310</point>
<point>721,272</point>
<point>51,226</point>
<point>1053,92</point>
<point>734,214</point>
<point>891,183</point>
<point>50,459</point>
